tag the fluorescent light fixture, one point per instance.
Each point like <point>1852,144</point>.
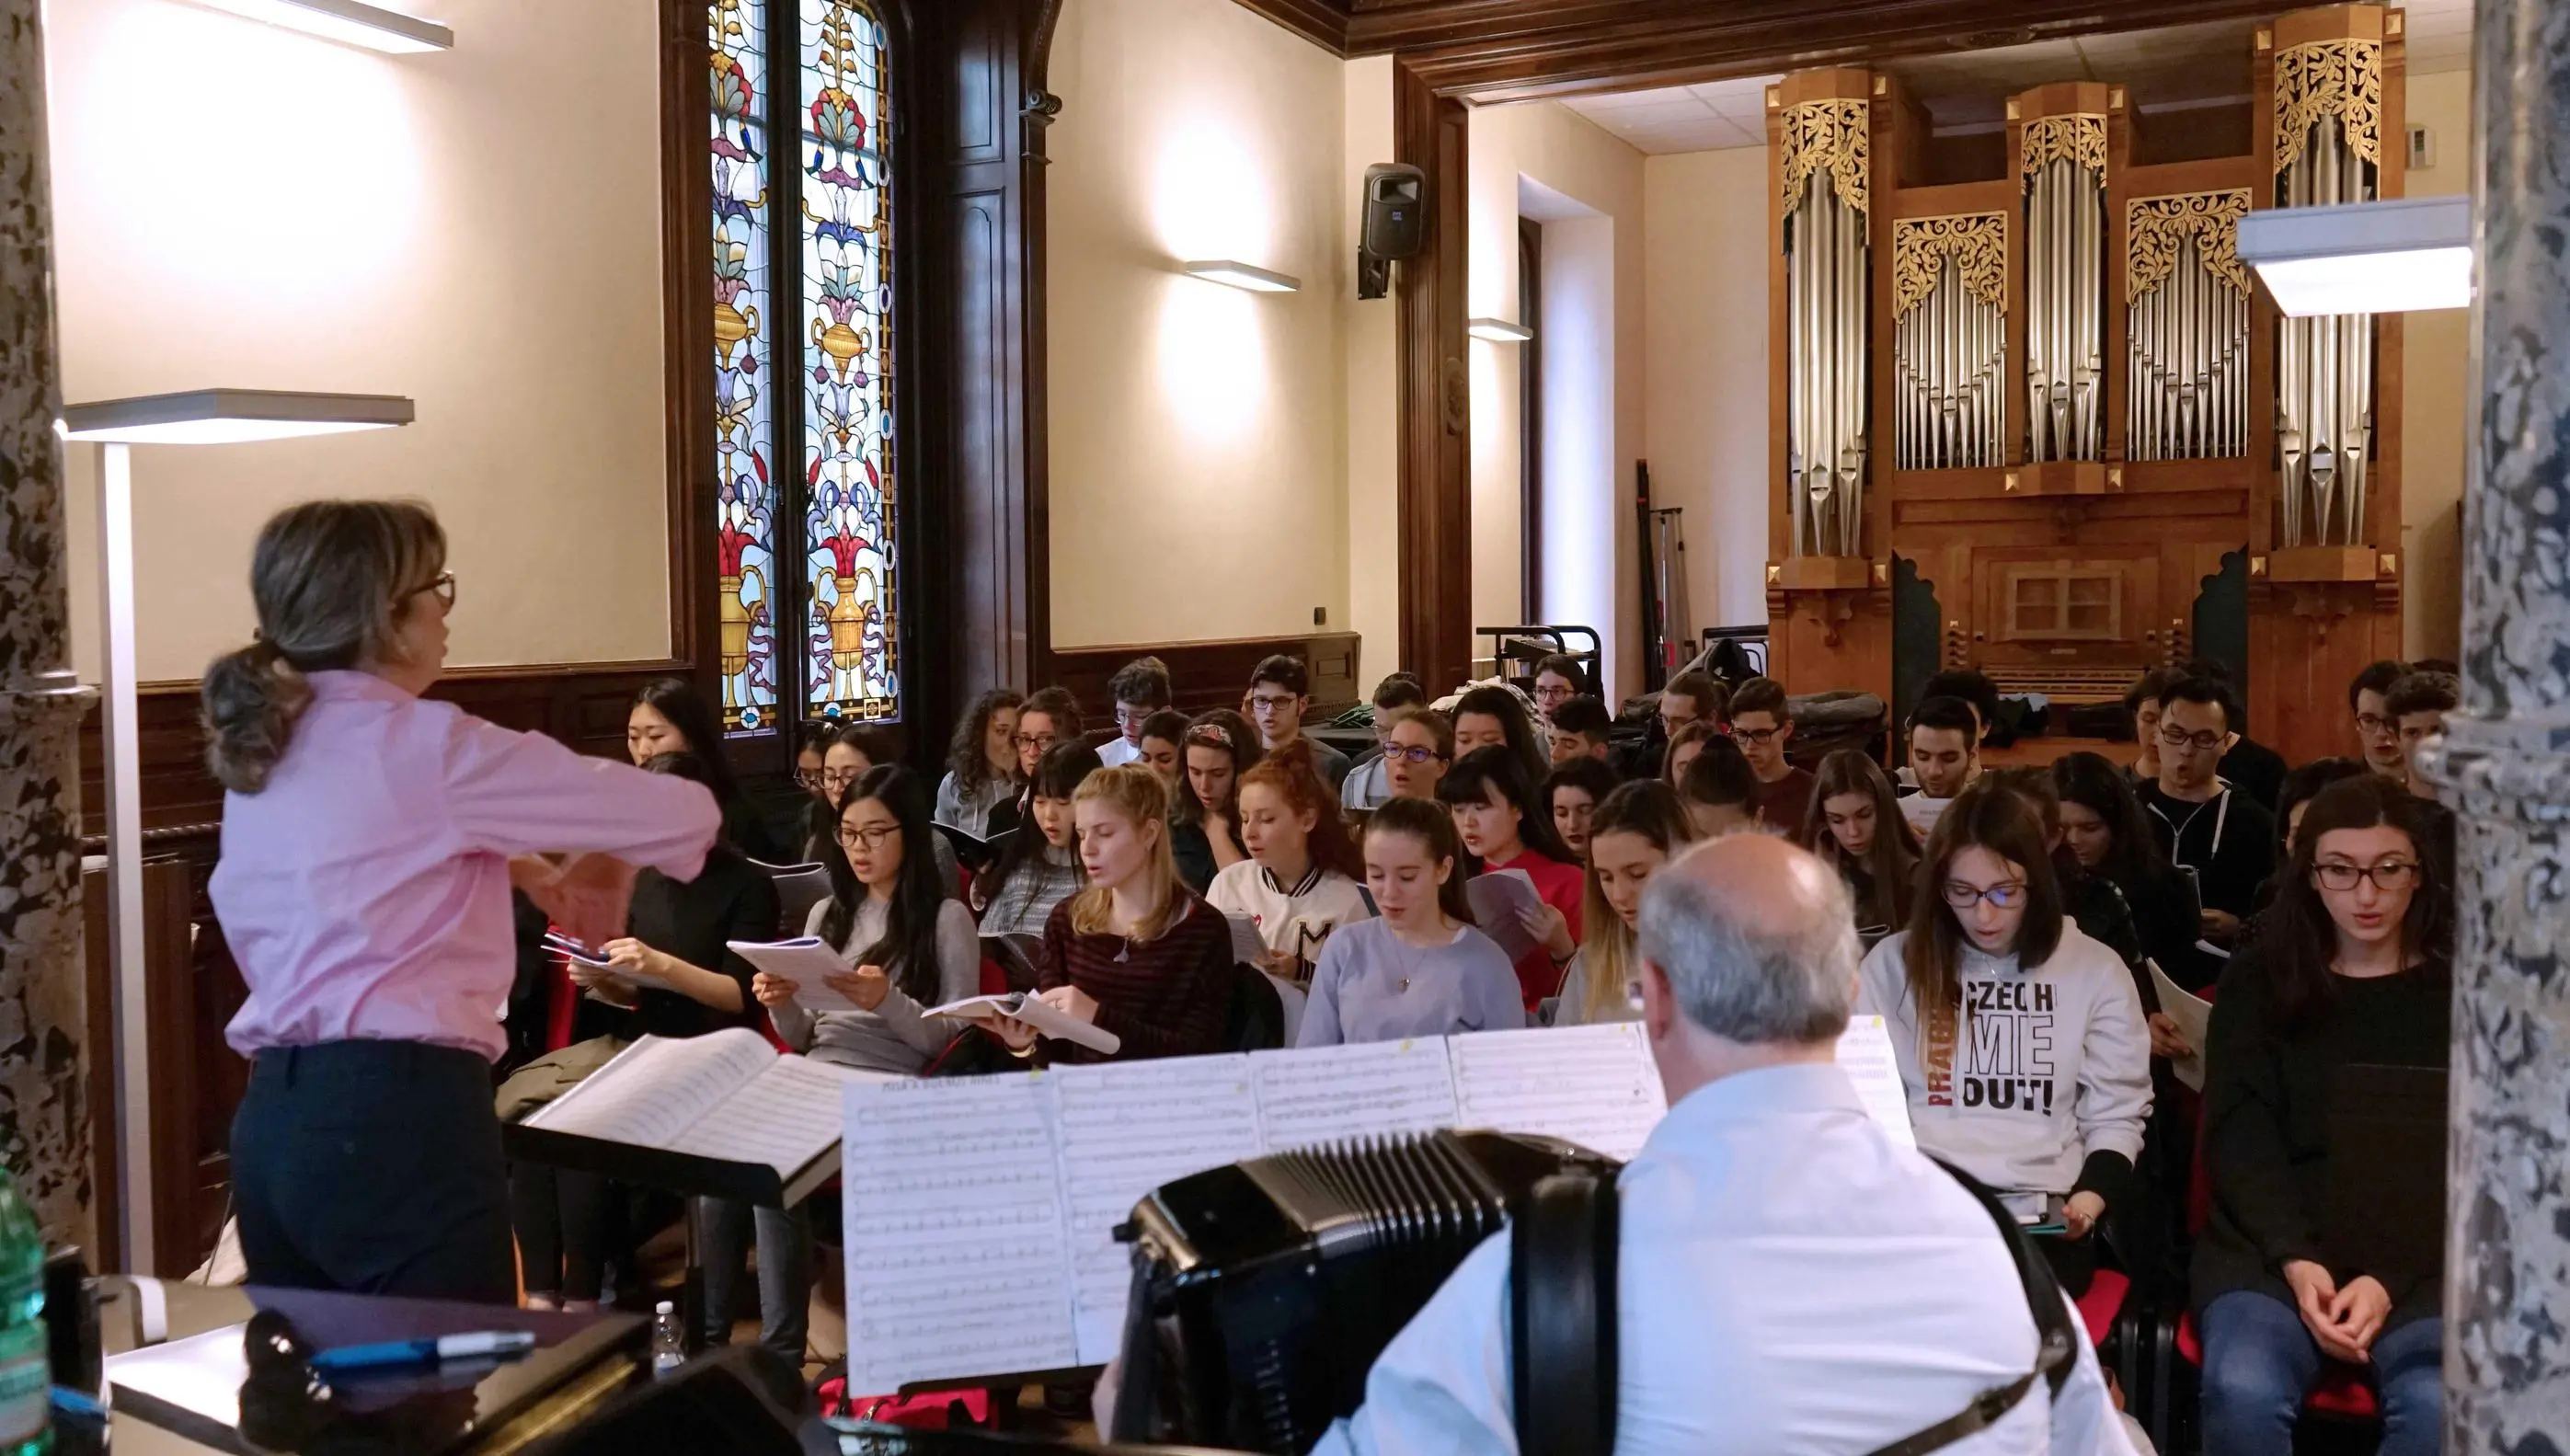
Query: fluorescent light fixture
<point>1239,274</point>
<point>2363,258</point>
<point>350,22</point>
<point>1497,331</point>
<point>229,416</point>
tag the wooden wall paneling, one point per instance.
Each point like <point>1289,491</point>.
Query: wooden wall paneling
<point>687,340</point>
<point>1432,131</point>
<point>989,149</point>
<point>1214,674</point>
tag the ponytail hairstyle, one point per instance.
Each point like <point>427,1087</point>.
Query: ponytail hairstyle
<point>1433,825</point>
<point>332,582</point>
<point>1138,796</point>
<point>1292,776</point>
<point>908,950</point>
<point>1650,811</point>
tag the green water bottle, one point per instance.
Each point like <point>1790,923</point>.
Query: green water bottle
<point>26,1421</point>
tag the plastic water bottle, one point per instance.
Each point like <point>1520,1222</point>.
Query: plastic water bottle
<point>26,1383</point>
<point>668,1341</point>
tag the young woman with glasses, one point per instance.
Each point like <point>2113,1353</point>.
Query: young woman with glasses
<point>2354,967</point>
<point>1417,751</point>
<point>909,946</point>
<point>2020,1040</point>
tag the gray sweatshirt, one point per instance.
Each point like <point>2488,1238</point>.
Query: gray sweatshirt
<point>2048,1065</point>
<point>894,1037</point>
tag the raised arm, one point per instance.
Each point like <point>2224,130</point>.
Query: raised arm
<point>524,793</point>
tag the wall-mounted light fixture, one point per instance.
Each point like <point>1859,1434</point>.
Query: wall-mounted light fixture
<point>198,417</point>
<point>350,22</point>
<point>1497,331</point>
<point>2363,258</point>
<point>1236,274</point>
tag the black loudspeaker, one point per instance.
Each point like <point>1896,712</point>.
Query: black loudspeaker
<point>1396,223</point>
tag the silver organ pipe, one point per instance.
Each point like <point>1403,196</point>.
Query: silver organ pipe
<point>2187,309</point>
<point>1950,350</point>
<point>2328,138</point>
<point>1826,261</point>
<point>2066,198</point>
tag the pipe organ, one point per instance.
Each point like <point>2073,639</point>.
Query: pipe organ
<point>2029,412</point>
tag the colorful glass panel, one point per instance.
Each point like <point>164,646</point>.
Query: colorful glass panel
<point>744,385</point>
<point>852,618</point>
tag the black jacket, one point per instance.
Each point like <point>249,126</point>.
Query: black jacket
<point>2265,1126</point>
<point>732,899</point>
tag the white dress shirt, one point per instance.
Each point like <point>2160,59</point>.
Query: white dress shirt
<point>1790,1280</point>
<point>1119,750</point>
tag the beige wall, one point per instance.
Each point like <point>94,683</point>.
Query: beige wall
<point>1199,446</point>
<point>478,230</point>
<point>1706,274</point>
<point>1541,160</point>
<point>2434,385</point>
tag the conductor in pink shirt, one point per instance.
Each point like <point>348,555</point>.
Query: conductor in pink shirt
<point>370,841</point>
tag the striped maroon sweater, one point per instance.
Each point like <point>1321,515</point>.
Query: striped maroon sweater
<point>1168,997</point>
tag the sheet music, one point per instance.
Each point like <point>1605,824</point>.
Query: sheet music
<point>656,1089</point>
<point>1864,1054</point>
<point>787,1115</point>
<point>1497,899</point>
<point>1593,1084</point>
<point>1126,1130</point>
<point>2194,1017</point>
<point>1320,1093</point>
<point>954,1245</point>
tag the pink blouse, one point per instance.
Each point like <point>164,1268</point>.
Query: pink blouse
<point>365,890</point>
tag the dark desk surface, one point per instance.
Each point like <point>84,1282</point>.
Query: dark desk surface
<point>324,1319</point>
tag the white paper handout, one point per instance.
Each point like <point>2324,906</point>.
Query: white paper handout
<point>1865,1055</point>
<point>1246,944</point>
<point>725,1096</point>
<point>806,960</point>
<point>1590,1085</point>
<point>2194,1017</point>
<point>1034,1011</point>
<point>1499,900</point>
<point>956,1253</point>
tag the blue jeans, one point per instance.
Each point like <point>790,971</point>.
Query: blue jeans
<point>2259,1363</point>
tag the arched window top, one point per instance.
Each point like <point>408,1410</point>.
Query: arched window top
<point>822,639</point>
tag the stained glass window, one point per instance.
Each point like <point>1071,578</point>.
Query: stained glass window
<point>846,328</point>
<point>745,386</point>
<point>811,385</point>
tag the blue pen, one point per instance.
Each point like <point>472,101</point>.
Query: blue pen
<point>487,1344</point>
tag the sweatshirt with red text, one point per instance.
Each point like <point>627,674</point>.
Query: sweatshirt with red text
<point>2045,1083</point>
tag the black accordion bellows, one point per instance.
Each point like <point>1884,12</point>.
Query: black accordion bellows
<point>1263,1292</point>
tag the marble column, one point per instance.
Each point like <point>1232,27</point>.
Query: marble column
<point>44,1116</point>
<point>2504,764</point>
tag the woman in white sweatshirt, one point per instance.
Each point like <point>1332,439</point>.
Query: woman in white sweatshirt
<point>2021,1041</point>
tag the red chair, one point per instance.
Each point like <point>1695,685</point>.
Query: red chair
<point>2104,1300</point>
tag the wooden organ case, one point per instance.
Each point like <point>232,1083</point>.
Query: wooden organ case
<point>2029,412</point>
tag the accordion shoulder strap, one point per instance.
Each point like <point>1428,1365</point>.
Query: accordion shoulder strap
<point>1561,1314</point>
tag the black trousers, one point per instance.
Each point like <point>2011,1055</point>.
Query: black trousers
<point>561,1218</point>
<point>373,1167</point>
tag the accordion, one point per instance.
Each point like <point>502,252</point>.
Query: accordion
<point>1264,1291</point>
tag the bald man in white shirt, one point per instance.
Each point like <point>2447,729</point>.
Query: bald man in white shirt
<point>1790,1278</point>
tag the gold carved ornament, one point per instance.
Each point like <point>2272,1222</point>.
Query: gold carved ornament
<point>1978,241</point>
<point>2334,78</point>
<point>2154,226</point>
<point>2080,139</point>
<point>1826,136</point>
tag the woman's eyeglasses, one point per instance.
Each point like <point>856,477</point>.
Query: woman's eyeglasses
<point>1964,896</point>
<point>1412,755</point>
<point>442,586</point>
<point>874,838</point>
<point>837,777</point>
<point>1037,742</point>
<point>2389,874</point>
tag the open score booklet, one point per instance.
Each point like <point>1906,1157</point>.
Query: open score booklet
<point>980,1210</point>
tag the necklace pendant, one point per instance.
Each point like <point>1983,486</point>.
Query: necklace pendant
<point>1405,984</point>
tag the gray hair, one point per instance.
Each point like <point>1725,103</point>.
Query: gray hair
<point>1744,985</point>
